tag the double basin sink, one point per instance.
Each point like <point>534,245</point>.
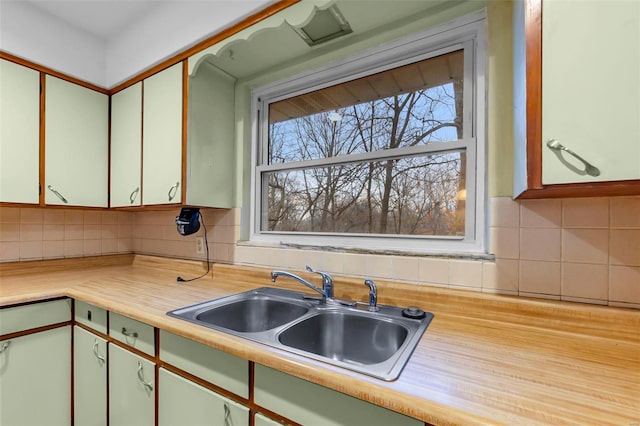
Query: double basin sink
<point>378,344</point>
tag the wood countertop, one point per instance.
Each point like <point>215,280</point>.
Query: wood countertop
<point>485,359</point>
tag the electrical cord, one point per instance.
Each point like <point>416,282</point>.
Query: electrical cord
<point>206,245</point>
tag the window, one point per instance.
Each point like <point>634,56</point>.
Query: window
<point>384,151</point>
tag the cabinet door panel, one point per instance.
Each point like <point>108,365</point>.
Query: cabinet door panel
<point>90,378</point>
<point>226,371</point>
<point>35,373</point>
<point>19,133</point>
<point>306,403</point>
<point>76,144</point>
<point>126,147</point>
<point>591,89</point>
<point>182,402</point>
<point>162,141</point>
<point>130,401</point>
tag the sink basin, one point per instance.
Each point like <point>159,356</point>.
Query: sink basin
<point>378,344</point>
<point>250,312</point>
<point>346,337</point>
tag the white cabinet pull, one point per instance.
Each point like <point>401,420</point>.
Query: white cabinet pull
<point>128,334</point>
<point>228,421</point>
<point>100,358</point>
<point>52,189</point>
<point>173,190</point>
<point>148,387</point>
<point>589,168</point>
<point>133,195</point>
<point>5,346</point>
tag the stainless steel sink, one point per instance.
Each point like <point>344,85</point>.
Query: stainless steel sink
<point>250,312</point>
<point>378,344</point>
<point>346,337</point>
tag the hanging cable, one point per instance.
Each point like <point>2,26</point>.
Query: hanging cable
<point>206,245</point>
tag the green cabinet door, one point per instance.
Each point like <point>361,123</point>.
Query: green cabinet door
<point>162,140</point>
<point>76,144</point>
<point>311,404</point>
<point>185,403</point>
<point>89,378</point>
<point>131,389</point>
<point>126,147</point>
<point>19,133</point>
<point>35,385</point>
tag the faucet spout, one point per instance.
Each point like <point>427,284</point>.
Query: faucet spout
<point>276,274</point>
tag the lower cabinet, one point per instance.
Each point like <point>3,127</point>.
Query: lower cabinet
<point>35,371</point>
<point>260,420</point>
<point>89,379</point>
<point>131,388</point>
<point>311,404</point>
<point>183,402</point>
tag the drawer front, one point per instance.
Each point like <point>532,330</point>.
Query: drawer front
<point>261,420</point>
<point>182,402</point>
<point>91,316</point>
<point>306,403</point>
<point>25,317</point>
<point>217,367</point>
<point>131,332</point>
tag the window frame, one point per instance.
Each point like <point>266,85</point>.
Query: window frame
<point>465,33</point>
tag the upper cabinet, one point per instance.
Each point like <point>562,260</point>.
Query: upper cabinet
<point>581,89</point>
<point>76,144</point>
<point>210,148</point>
<point>162,145</point>
<point>19,133</point>
<point>126,147</point>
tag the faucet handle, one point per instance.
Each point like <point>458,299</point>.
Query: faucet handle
<point>327,281</point>
<point>325,276</point>
<point>373,295</point>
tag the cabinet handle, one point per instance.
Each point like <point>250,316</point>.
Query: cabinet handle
<point>228,421</point>
<point>589,168</point>
<point>134,194</point>
<point>5,346</point>
<point>128,334</point>
<point>173,190</point>
<point>148,387</point>
<point>52,189</point>
<point>101,359</point>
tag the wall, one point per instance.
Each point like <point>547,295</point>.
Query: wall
<point>585,250</point>
<point>36,233</point>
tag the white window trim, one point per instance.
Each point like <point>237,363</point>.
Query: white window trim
<point>467,32</point>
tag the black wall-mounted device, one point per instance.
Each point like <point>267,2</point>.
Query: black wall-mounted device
<point>188,222</point>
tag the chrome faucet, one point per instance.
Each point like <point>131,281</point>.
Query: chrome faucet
<point>327,281</point>
<point>373,295</point>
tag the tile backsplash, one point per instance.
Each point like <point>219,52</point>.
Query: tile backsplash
<point>37,233</point>
<point>583,250</point>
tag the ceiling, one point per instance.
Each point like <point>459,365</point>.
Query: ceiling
<point>105,19</point>
<point>101,18</point>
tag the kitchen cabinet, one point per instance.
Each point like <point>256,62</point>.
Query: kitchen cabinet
<point>135,334</point>
<point>260,420</point>
<point>308,403</point>
<point>220,368</point>
<point>89,378</point>
<point>182,401</point>
<point>131,388</point>
<point>19,133</point>
<point>126,147</point>
<point>37,364</point>
<point>76,144</point>
<point>162,145</point>
<point>579,90</point>
<point>211,148</point>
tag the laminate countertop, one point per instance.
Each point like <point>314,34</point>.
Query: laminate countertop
<point>485,359</point>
